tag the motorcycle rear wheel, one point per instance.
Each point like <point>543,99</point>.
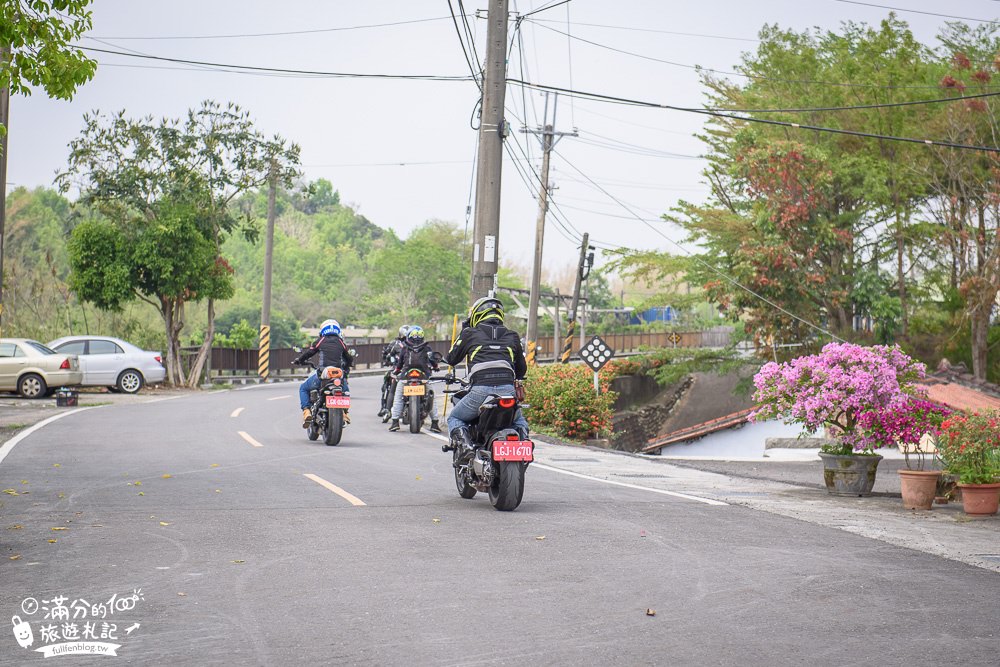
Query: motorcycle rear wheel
<point>508,486</point>
<point>464,489</point>
<point>313,431</point>
<point>334,427</point>
<point>415,421</point>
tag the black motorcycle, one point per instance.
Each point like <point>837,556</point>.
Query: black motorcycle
<point>329,403</point>
<point>498,457</point>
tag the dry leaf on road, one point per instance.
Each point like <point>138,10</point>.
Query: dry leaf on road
<point>650,612</point>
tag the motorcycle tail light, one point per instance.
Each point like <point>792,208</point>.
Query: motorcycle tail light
<point>64,365</point>
<point>507,402</point>
<point>414,374</point>
<point>337,382</point>
<point>513,436</point>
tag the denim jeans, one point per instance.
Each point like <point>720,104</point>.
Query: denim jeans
<point>467,409</point>
<point>310,383</point>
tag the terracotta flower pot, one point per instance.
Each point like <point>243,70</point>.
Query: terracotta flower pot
<point>980,499</point>
<point>919,488</point>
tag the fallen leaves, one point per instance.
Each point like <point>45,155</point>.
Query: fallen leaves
<point>214,465</point>
<point>141,493</point>
<point>238,562</point>
<point>15,557</point>
<point>52,540</point>
<point>166,476</point>
<point>11,492</point>
<point>59,528</point>
<point>650,612</point>
<point>540,538</point>
<point>16,526</point>
<point>164,523</point>
<point>182,594</point>
<point>56,465</point>
<point>436,520</point>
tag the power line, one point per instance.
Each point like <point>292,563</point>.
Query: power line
<point>754,77</point>
<point>747,119</point>
<point>654,30</point>
<point>476,73</point>
<point>698,259</point>
<point>275,34</point>
<point>545,7</point>
<point>916,11</point>
<point>856,107</point>
<point>250,68</point>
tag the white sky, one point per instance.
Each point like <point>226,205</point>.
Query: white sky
<point>356,133</point>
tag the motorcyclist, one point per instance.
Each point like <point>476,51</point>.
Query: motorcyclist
<point>390,355</point>
<point>415,354</point>
<point>332,352</point>
<point>495,360</point>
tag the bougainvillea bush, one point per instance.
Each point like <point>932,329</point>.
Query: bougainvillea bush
<point>904,424</point>
<point>833,388</point>
<point>970,447</point>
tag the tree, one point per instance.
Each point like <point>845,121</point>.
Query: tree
<point>171,178</point>
<point>36,50</point>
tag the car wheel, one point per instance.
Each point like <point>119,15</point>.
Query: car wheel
<point>31,386</point>
<point>130,382</point>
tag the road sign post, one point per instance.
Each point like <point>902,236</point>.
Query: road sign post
<point>596,354</point>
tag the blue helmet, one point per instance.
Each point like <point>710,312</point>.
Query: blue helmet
<point>329,328</point>
<point>415,335</point>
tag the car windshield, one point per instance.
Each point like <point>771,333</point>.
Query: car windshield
<point>41,348</point>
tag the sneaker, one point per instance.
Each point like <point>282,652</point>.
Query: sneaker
<point>435,426</point>
<point>394,426</point>
<point>347,418</point>
<point>307,418</point>
<point>382,412</point>
<point>385,417</point>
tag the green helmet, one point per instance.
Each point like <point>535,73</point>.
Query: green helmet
<point>486,308</point>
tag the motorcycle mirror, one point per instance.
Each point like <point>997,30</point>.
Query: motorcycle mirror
<point>296,348</point>
<point>436,357</point>
<point>352,352</point>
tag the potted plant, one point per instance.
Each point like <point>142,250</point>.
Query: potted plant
<point>832,390</point>
<point>913,425</point>
<point>970,447</point>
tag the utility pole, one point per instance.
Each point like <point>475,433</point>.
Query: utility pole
<point>5,122</point>
<point>264,352</point>
<point>549,140</point>
<point>571,315</point>
<point>492,129</point>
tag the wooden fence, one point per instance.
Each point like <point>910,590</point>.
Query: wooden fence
<point>242,363</point>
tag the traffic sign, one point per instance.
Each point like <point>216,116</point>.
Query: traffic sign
<point>596,353</point>
<point>674,338</point>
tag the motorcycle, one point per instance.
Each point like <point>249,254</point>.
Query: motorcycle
<point>417,395</point>
<point>389,358</point>
<point>498,458</point>
<point>328,405</point>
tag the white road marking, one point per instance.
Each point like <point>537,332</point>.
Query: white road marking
<point>707,501</point>
<point>236,412</point>
<point>354,500</point>
<point>6,448</point>
<point>278,398</point>
<point>166,398</point>
<point>246,436</point>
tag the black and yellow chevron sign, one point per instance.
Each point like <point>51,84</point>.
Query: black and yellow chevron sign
<point>532,351</point>
<point>264,356</point>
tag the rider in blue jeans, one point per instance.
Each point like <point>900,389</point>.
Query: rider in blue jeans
<point>332,351</point>
<point>495,360</point>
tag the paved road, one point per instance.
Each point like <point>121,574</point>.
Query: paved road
<point>244,555</point>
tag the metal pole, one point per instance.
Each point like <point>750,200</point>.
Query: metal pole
<point>571,316</point>
<point>555,330</point>
<point>492,129</point>
<point>536,270</point>
<point>597,384</point>
<point>5,122</point>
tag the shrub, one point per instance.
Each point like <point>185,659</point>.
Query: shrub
<point>562,398</point>
<point>970,447</point>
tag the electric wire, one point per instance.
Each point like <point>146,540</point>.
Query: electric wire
<point>545,7</point>
<point>765,121</point>
<point>272,34</point>
<point>654,30</point>
<point>916,11</point>
<point>465,52</point>
<point>316,73</point>
<point>699,260</point>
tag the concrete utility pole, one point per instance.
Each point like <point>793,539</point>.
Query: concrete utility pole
<point>264,351</point>
<point>571,315</point>
<point>492,129</point>
<point>549,140</point>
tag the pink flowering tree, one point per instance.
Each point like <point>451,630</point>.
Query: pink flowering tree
<point>906,424</point>
<point>834,388</point>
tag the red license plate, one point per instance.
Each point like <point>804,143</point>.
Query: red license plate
<point>338,402</point>
<point>513,450</point>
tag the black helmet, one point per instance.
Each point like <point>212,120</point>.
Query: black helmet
<point>486,308</point>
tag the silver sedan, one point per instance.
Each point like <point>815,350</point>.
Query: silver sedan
<point>34,370</point>
<point>112,362</point>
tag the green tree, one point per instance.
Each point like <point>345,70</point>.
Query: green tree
<point>135,171</point>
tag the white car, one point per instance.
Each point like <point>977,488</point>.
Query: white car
<point>33,370</point>
<point>112,362</point>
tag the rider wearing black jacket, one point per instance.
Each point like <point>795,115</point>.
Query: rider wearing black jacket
<point>390,355</point>
<point>416,353</point>
<point>495,359</point>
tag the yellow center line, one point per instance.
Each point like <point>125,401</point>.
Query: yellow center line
<point>278,398</point>
<point>354,500</point>
<point>246,436</point>
<point>236,412</point>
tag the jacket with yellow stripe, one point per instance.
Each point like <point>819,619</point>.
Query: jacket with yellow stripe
<point>492,352</point>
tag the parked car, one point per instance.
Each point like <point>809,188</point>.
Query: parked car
<point>112,362</point>
<point>34,370</point>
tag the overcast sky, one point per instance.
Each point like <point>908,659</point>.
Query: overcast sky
<point>401,152</point>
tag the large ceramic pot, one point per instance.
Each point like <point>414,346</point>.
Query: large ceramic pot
<point>849,475</point>
<point>919,488</point>
<point>980,499</point>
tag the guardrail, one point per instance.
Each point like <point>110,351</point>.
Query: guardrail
<point>226,362</point>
